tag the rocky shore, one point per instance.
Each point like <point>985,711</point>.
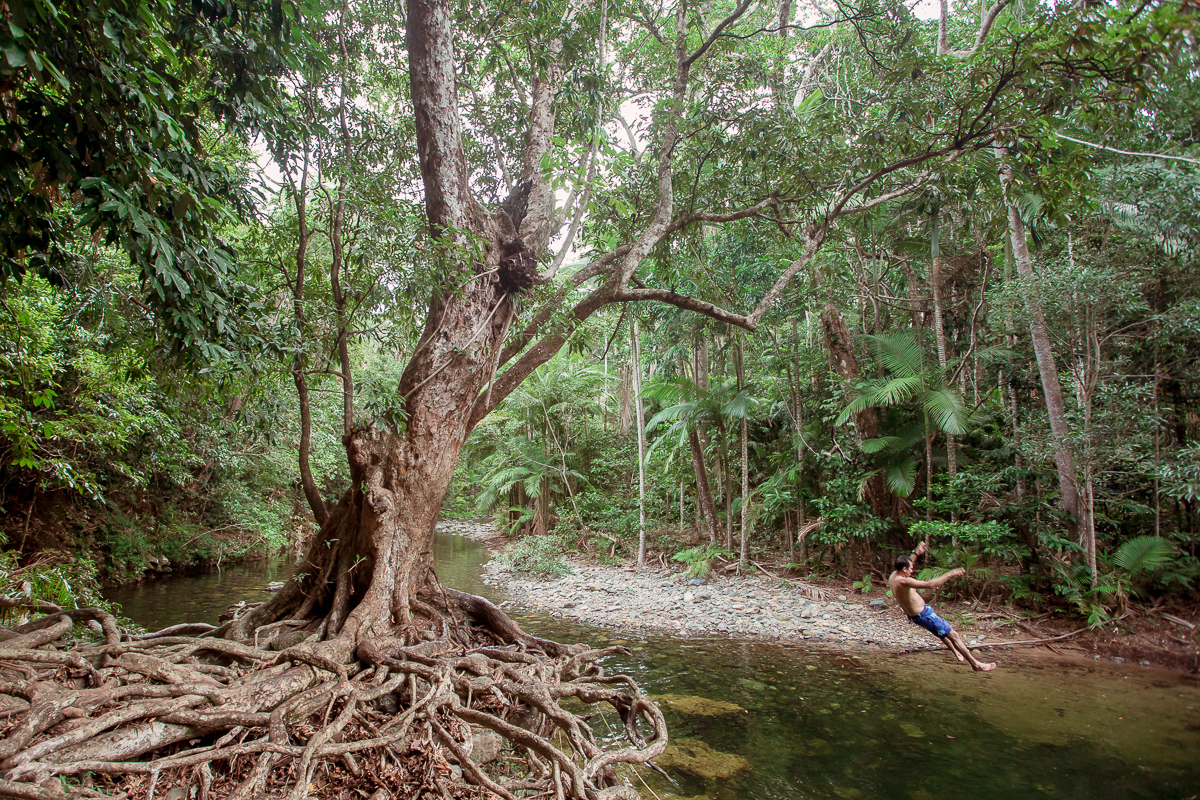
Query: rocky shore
<point>754,606</point>
<point>757,606</point>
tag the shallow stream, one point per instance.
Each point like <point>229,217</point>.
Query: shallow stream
<point>824,723</point>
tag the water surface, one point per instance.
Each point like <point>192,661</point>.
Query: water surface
<point>821,723</point>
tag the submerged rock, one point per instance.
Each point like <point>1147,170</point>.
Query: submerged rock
<point>696,706</point>
<point>696,757</point>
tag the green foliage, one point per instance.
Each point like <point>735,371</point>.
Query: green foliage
<point>1144,555</point>
<point>970,533</point>
<point>1091,598</point>
<point>70,403</point>
<point>846,516</point>
<point>699,559</point>
<point>864,585</point>
<point>109,106</point>
<point>1181,478</point>
<point>539,556</point>
<point>51,577</point>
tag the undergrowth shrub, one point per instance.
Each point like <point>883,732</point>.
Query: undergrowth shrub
<point>540,556</point>
<point>50,577</point>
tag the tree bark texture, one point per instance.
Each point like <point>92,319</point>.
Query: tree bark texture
<point>641,442</point>
<point>745,448</point>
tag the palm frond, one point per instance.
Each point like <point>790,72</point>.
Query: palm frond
<point>671,414</point>
<point>881,444</point>
<point>901,478</point>
<point>738,407</point>
<point>895,391</point>
<point>947,410</point>
<point>1144,554</point>
<point>900,353</point>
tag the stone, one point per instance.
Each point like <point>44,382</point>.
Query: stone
<point>696,757</point>
<point>841,598</point>
<point>1118,660</point>
<point>695,706</point>
<point>569,604</point>
<point>688,597</point>
<point>881,605</point>
<point>1144,663</point>
<point>697,581</point>
<point>486,746</point>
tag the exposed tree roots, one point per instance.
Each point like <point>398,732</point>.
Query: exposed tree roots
<point>183,714</point>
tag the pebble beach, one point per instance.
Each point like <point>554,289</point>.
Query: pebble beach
<point>756,606</point>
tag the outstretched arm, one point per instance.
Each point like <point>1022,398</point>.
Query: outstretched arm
<point>913,583</point>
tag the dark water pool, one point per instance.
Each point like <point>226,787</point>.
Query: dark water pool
<point>833,724</point>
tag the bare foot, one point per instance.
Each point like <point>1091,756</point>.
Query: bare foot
<point>984,667</point>
<point>957,654</point>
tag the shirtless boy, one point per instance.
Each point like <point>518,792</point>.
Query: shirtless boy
<point>904,588</point>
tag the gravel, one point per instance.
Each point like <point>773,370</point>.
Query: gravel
<point>750,606</point>
<point>753,606</point>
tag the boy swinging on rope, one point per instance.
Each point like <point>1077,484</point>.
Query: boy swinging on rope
<point>904,588</point>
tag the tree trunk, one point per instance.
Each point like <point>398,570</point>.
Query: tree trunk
<point>311,493</point>
<point>745,515</point>
<point>939,329</point>
<point>1043,351</point>
<point>704,496</point>
<point>641,441</point>
<point>373,553</point>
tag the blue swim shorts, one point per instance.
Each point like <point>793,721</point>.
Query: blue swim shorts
<point>930,621</point>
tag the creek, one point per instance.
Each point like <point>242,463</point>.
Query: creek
<point>815,722</point>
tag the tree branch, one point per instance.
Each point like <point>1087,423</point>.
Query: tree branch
<point>1127,152</point>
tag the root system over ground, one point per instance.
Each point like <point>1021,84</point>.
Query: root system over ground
<point>137,716</point>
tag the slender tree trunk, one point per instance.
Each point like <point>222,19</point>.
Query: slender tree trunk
<point>728,499</point>
<point>704,497</point>
<point>939,329</point>
<point>1043,351</point>
<point>299,374</point>
<point>745,516</point>
<point>681,509</point>
<point>641,434</point>
<point>928,471</point>
<point>338,251</point>
<point>705,510</point>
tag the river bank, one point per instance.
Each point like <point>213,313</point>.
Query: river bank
<point>769,608</point>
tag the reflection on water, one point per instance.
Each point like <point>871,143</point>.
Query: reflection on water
<point>156,603</point>
<point>823,724</point>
